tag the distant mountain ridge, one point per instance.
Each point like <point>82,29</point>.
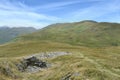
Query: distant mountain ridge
<point>86,33</point>
<point>7,33</point>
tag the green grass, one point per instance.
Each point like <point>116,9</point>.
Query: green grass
<point>89,63</point>
<point>31,47</point>
<point>95,49</point>
<point>90,34</point>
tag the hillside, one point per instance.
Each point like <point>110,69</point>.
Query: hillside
<point>7,34</point>
<point>83,63</point>
<point>85,50</point>
<point>85,33</point>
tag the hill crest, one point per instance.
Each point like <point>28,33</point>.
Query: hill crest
<point>85,33</point>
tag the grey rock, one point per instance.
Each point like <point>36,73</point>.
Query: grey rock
<point>35,63</point>
<point>32,69</point>
<point>50,54</point>
<point>31,64</point>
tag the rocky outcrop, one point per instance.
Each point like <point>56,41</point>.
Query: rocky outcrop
<point>50,54</point>
<point>35,62</point>
<point>31,64</point>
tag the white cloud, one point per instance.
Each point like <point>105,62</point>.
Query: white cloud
<point>96,11</point>
<point>23,23</point>
<point>56,4</point>
<point>61,4</point>
<point>18,14</point>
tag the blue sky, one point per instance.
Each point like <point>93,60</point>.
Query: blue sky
<point>40,13</point>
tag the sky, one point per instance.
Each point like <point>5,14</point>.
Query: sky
<point>40,13</point>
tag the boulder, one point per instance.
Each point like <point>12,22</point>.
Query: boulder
<point>31,64</point>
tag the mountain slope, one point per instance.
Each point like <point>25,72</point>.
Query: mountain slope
<point>83,63</point>
<point>7,34</point>
<point>87,33</point>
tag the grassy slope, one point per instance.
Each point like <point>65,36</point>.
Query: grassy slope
<point>85,33</point>
<point>31,47</point>
<point>89,63</point>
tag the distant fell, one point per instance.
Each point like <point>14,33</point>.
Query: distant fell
<point>7,34</point>
<point>84,33</point>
